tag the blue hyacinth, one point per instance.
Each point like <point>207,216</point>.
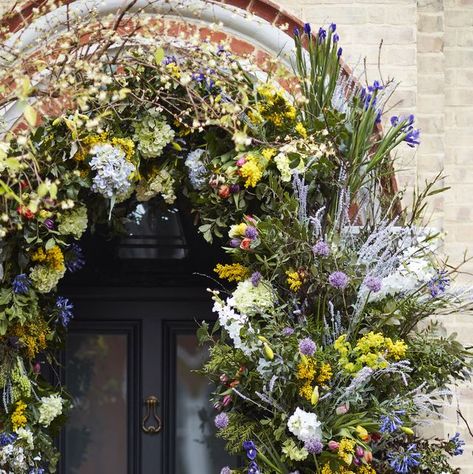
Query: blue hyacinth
<point>457,444</point>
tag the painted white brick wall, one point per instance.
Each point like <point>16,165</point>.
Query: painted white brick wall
<point>428,47</point>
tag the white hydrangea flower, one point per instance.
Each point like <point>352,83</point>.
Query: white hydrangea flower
<point>251,300</point>
<point>50,408</point>
<point>26,435</point>
<point>304,426</point>
<point>197,170</point>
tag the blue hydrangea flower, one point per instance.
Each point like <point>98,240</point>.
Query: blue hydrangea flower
<point>64,307</point>
<point>403,460</point>
<point>307,346</point>
<point>250,449</point>
<point>37,470</point>
<point>75,259</point>
<point>457,444</point>
<point>390,423</point>
<point>197,169</point>
<point>221,421</point>
<point>7,438</point>
<point>21,284</point>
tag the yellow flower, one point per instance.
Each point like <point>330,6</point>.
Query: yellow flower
<point>325,373</point>
<point>18,417</point>
<point>251,171</point>
<point>362,433</point>
<point>346,450</point>
<point>305,391</point>
<point>237,230</point>
<point>397,350</point>
<point>173,70</point>
<point>268,153</point>
<point>233,272</point>
<point>126,144</point>
<point>87,143</point>
<point>306,369</point>
<point>294,280</point>
<point>52,257</point>
<point>366,470</point>
<point>301,130</point>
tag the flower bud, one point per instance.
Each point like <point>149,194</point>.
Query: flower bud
<point>359,451</point>
<point>368,456</point>
<point>407,430</point>
<point>245,244</point>
<point>315,396</point>
<point>333,445</point>
<point>342,409</point>
<point>227,399</point>
<point>268,352</point>
<point>224,378</point>
<point>224,191</point>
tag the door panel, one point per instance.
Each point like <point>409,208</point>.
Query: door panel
<point>118,353</point>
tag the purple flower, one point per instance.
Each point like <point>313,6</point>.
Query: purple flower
<point>64,308</point>
<point>333,27</point>
<point>296,31</point>
<point>226,470</point>
<point>21,284</point>
<point>49,224</point>
<point>287,331</point>
<point>314,446</point>
<point>373,283</point>
<point>457,444</point>
<point>412,135</point>
<point>7,438</point>
<point>253,468</point>
<point>75,259</point>
<point>391,423</point>
<point>322,35</point>
<point>221,421</point>
<point>256,278</point>
<point>338,280</point>
<point>339,52</point>
<point>307,346</point>
<point>169,60</point>
<point>403,460</point>
<point>235,243</point>
<point>251,232</point>
<point>321,249</point>
<point>307,29</point>
<point>235,188</point>
<point>375,87</point>
<point>336,38</point>
<point>250,449</point>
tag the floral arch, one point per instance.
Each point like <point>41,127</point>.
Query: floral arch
<point>316,358</point>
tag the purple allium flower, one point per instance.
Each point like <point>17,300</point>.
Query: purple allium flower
<point>338,280</point>
<point>7,438</point>
<point>21,284</point>
<point>373,283</point>
<point>333,27</point>
<point>234,188</point>
<point>75,259</point>
<point>235,243</point>
<point>287,331</point>
<point>339,52</point>
<point>336,38</point>
<point>64,307</point>
<point>307,29</point>
<point>250,449</point>
<point>314,446</point>
<point>307,346</point>
<point>391,423</point>
<point>403,460</point>
<point>49,224</point>
<point>321,249</point>
<point>322,35</point>
<point>251,232</point>
<point>226,470</point>
<point>221,421</point>
<point>253,468</point>
<point>256,278</point>
<point>457,444</point>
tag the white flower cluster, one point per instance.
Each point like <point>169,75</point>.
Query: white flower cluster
<point>252,300</point>
<point>304,426</point>
<point>197,170</point>
<point>112,170</point>
<point>50,408</point>
<point>15,458</point>
<point>161,183</point>
<point>234,323</point>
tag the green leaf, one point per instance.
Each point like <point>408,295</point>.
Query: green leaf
<point>159,56</point>
<point>50,244</point>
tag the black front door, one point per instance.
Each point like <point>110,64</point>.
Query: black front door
<point>129,365</point>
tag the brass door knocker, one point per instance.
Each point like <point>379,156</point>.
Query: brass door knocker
<point>151,403</point>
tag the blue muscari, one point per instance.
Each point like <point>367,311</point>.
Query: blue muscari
<point>64,307</point>
<point>402,461</point>
<point>457,444</point>
<point>21,284</point>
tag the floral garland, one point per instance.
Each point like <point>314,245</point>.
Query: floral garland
<point>315,355</point>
